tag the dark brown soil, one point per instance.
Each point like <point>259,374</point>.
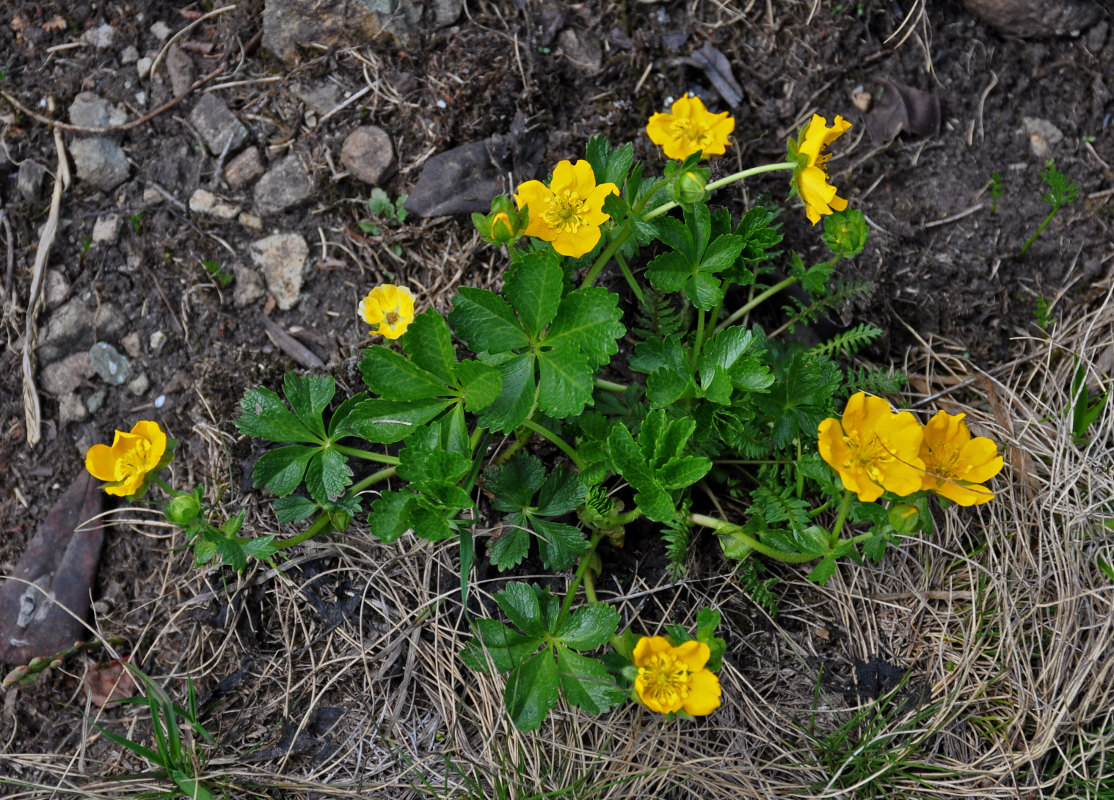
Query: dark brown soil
<point>944,259</point>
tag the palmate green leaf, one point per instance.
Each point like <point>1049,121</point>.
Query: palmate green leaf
<point>515,483</point>
<point>515,401</point>
<point>388,520</point>
<point>512,545</point>
<point>393,376</point>
<point>429,521</point>
<point>677,236</point>
<point>506,647</point>
<point>429,343</point>
<point>800,397</point>
<point>588,627</point>
<point>585,682</point>
<point>389,421</point>
<point>559,545</point>
<point>327,475</point>
<point>280,471</point>
<point>629,462</point>
<point>562,492</point>
<point>486,322</point>
<point>565,379</point>
<point>481,384</point>
<point>265,416</point>
<point>589,319</point>
<point>532,691</point>
<point>533,286</point>
<point>308,396</point>
<point>520,602</point>
<point>669,272</point>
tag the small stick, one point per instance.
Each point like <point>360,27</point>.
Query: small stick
<point>955,217</point>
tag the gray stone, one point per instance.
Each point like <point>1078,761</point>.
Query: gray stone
<point>32,178</point>
<point>321,98</point>
<point>582,49</point>
<point>287,24</point>
<point>132,345</point>
<point>106,229</point>
<point>70,327</point>
<point>100,162</point>
<point>139,384</point>
<point>108,362</point>
<point>66,376</point>
<point>90,110</point>
<point>250,221</point>
<point>129,55</point>
<point>1035,18</point>
<point>244,168</point>
<point>101,37</point>
<point>180,68</point>
<point>143,67</point>
<point>157,340</point>
<point>282,259</point>
<point>95,401</point>
<point>283,187</point>
<point>1042,135</point>
<point>207,204</point>
<point>55,289</point>
<point>248,286</point>
<point>368,154</point>
<point>160,30</point>
<point>71,409</point>
<point>216,125</point>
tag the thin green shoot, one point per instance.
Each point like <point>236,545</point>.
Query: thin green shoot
<point>1061,192</point>
<point>997,189</point>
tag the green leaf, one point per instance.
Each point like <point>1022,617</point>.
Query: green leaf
<point>486,322</point>
<point>813,540</point>
<point>585,682</point>
<point>562,492</point>
<point>429,343</point>
<point>396,377</point>
<point>430,521</point>
<point>280,470</point>
<point>565,380</point>
<point>559,545</point>
<point>705,291</point>
<point>327,475</point>
<point>390,421</point>
<point>514,402</point>
<point>679,473</point>
<point>588,627</point>
<point>293,508</point>
<point>589,318</point>
<point>389,518</point>
<point>511,546</point>
<point>721,253</point>
<point>340,417</point>
<point>532,691</point>
<point>520,603</point>
<point>516,482</point>
<point>506,647</point>
<point>480,382</point>
<point>308,396</point>
<point>265,416</point>
<point>609,166</point>
<point>669,272</point>
<point>823,570</point>
<point>677,236</point>
<point>629,462</point>
<point>533,287</point>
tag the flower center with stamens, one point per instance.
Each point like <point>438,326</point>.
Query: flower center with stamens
<point>564,212</point>
<point>692,131</point>
<point>134,461</point>
<point>867,456</point>
<point>666,680</point>
<point>391,317</point>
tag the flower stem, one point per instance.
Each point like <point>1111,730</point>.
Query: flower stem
<point>719,526</point>
<point>606,255</point>
<point>365,454</point>
<point>698,341</point>
<point>631,282</point>
<point>561,444</point>
<point>610,386</point>
<point>737,176</point>
<point>1038,231</point>
<point>373,478</point>
<point>757,301</point>
<point>314,529</point>
<point>581,571</point>
<point>844,507</point>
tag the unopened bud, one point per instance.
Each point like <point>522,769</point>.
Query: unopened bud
<point>689,186</point>
<point>183,510</point>
<point>504,224</point>
<point>845,232</point>
<point>903,517</point>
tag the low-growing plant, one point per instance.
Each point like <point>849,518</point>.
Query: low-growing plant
<point>579,409</point>
<point>1061,192</point>
<point>215,271</point>
<point>135,220</point>
<point>384,211</point>
<point>997,189</point>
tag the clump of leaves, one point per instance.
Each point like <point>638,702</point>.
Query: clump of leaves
<point>384,211</point>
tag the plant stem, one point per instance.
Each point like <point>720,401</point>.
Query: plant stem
<point>610,386</point>
<point>757,301</point>
<point>561,444</point>
<point>1043,225</point>
<point>606,255</point>
<point>314,529</point>
<point>738,176</point>
<point>698,341</point>
<point>634,287</point>
<point>365,454</point>
<point>720,526</point>
<point>844,507</point>
<point>373,478</point>
<point>581,571</point>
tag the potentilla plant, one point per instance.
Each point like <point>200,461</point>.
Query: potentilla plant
<point>594,437</point>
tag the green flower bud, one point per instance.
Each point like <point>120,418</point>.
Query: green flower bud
<point>340,519</point>
<point>845,232</point>
<point>504,224</point>
<point>183,510</point>
<point>903,517</point>
<point>689,186</point>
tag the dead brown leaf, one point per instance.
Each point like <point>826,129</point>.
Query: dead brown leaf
<point>106,683</point>
<point>56,24</point>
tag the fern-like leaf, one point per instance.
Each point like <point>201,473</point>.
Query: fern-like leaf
<point>756,587</point>
<point>874,380</point>
<point>677,535</point>
<point>849,341</point>
<point>659,318</point>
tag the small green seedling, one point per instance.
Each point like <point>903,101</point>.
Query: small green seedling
<point>136,220</point>
<point>222,276</point>
<point>1085,406</point>
<point>1044,315</point>
<point>997,189</point>
<point>1061,192</point>
<point>383,209</point>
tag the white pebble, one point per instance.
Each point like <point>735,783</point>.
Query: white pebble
<point>160,401</point>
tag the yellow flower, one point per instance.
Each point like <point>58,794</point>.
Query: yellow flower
<point>390,307</point>
<point>810,179</point>
<point>672,678</point>
<point>873,449</point>
<point>955,464</point>
<point>568,213</point>
<point>690,127</point>
<point>125,465</point>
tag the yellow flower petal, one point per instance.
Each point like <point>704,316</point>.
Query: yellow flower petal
<point>389,307</point>
<point>568,213</point>
<point>955,463</point>
<point>704,697</point>
<point>101,463</point>
<point>125,465</point>
<point>690,128</point>
<point>810,180</point>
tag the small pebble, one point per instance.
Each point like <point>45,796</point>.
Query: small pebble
<point>96,400</point>
<point>139,384</point>
<point>160,401</point>
<point>160,30</point>
<point>158,339</point>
